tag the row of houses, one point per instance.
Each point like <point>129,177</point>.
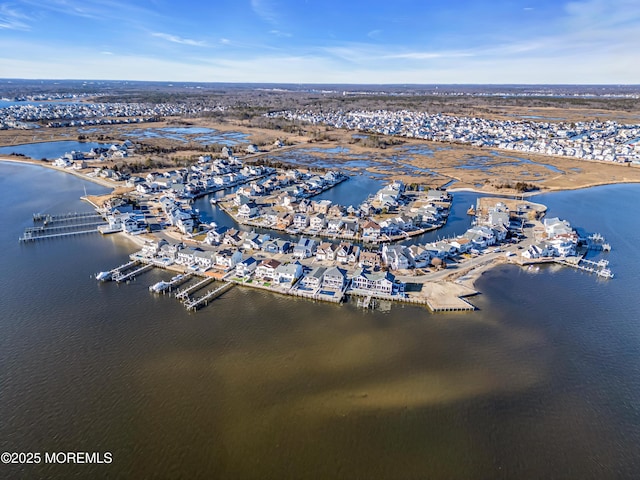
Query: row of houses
<point>590,140</point>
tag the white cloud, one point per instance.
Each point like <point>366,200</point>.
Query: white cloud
<point>12,19</point>
<point>266,10</point>
<point>278,33</point>
<point>182,41</point>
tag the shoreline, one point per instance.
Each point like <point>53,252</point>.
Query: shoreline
<point>466,277</point>
<point>39,163</point>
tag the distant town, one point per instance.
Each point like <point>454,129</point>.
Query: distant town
<point>595,140</point>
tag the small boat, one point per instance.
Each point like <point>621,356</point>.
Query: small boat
<point>471,210</point>
<point>103,276</point>
<point>159,287</point>
<point>213,201</point>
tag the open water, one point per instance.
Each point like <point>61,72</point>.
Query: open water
<point>542,382</point>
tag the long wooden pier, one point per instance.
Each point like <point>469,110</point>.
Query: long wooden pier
<point>119,277</point>
<point>65,225</point>
<point>194,304</point>
<point>48,218</point>
<point>184,294</point>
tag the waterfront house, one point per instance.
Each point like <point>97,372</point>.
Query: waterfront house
<point>481,236</point>
<point>183,220</point>
<point>228,259</point>
<point>343,251</point>
<point>170,250</point>
<point>248,210</point>
<point>317,221</point>
<point>397,257</point>
<point>133,223</point>
<point>305,248</point>
<point>370,259</point>
<point>420,256</point>
<point>334,278</point>
<point>563,245</point>
<point>334,225</point>
<point>354,254</point>
<point>461,244</point>
<point>371,231</point>
<point>267,269</point>
<point>232,237</point>
<point>434,195</point>
<point>151,249</point>
<point>276,246</point>
<point>239,199</point>
<point>289,273</point>
<point>555,226</point>
<point>321,206</point>
<point>313,279</point>
<point>246,267</point>
<point>270,216</point>
<point>186,256</point>
<point>541,249</point>
<point>254,241</point>
<point>373,282</point>
<point>440,249</point>
<point>300,221</point>
<point>215,236</point>
<point>204,258</point>
<point>350,228</point>
<point>284,220</point>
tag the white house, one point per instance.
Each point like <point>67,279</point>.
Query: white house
<point>289,273</point>
<point>246,267</point>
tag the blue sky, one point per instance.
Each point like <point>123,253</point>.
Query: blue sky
<point>323,41</point>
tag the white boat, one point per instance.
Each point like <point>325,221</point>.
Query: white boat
<point>103,276</point>
<point>159,287</point>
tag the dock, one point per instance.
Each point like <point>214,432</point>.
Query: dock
<point>599,268</point>
<point>163,287</point>
<point>184,294</point>
<point>65,225</point>
<point>120,277</point>
<point>194,304</point>
<point>47,218</point>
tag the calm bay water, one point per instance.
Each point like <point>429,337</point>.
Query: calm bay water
<point>542,382</point>
<point>51,150</point>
